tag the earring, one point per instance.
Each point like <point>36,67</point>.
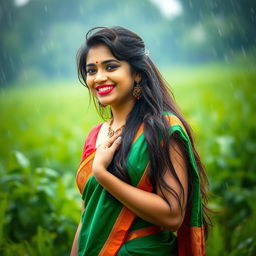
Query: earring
<point>137,91</point>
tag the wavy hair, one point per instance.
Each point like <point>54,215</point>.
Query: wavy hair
<point>157,98</point>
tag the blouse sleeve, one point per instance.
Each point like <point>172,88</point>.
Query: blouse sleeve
<point>90,141</point>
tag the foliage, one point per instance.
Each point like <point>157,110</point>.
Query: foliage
<point>226,130</point>
<point>35,210</point>
<point>46,126</point>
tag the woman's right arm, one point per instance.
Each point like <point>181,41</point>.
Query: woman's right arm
<point>74,250</point>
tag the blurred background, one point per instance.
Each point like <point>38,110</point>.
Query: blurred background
<point>206,50</point>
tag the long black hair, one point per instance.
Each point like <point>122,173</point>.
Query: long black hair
<point>126,45</point>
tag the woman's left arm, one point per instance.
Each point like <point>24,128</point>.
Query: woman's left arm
<point>148,206</point>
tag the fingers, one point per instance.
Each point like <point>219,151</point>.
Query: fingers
<point>110,141</point>
<point>116,143</point>
<point>115,140</point>
<point>114,146</point>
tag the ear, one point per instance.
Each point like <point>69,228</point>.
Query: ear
<point>137,77</point>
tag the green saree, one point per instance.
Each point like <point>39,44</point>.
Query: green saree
<point>109,228</point>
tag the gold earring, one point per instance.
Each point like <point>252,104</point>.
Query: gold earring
<point>137,91</point>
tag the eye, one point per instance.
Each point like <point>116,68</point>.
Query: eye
<point>111,67</point>
<point>90,71</point>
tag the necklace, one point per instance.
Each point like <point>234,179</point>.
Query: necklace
<point>112,132</point>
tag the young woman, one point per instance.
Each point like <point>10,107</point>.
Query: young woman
<point>140,177</point>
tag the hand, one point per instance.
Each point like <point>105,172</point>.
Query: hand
<point>104,154</point>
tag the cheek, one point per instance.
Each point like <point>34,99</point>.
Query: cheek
<point>125,77</point>
<point>89,82</point>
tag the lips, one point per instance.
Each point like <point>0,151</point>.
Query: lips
<point>104,89</point>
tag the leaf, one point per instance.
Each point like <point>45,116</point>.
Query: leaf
<point>21,159</point>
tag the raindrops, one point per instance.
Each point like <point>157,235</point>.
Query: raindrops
<point>3,77</point>
<point>243,50</point>
<point>45,8</point>
<point>226,58</point>
<point>41,32</point>
<point>190,4</point>
<point>11,62</point>
<point>43,37</point>
<point>81,9</point>
<point>253,14</point>
<point>219,31</point>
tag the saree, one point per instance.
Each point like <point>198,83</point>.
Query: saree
<point>109,228</point>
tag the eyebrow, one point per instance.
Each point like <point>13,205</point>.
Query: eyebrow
<point>103,62</point>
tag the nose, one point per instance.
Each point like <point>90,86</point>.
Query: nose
<point>100,77</point>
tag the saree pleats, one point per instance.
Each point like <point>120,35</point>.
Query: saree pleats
<point>107,224</point>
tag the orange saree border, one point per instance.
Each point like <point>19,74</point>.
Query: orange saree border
<point>139,132</point>
<point>191,241</point>
<point>84,169</point>
<point>174,120</point>
<point>83,174</point>
<point>118,233</point>
<point>197,241</point>
<point>142,232</point>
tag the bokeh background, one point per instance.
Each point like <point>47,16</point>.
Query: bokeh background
<point>205,49</point>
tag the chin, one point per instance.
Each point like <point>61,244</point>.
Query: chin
<point>105,102</point>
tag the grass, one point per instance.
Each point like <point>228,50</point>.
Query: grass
<point>49,121</point>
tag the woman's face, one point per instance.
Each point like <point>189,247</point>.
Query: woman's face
<point>110,80</point>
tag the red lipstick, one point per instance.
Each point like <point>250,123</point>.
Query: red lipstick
<point>104,89</point>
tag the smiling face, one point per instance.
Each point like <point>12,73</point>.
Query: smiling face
<point>110,80</point>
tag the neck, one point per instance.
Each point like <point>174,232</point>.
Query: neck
<point>120,113</point>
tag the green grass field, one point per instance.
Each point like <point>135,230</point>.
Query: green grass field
<point>43,127</point>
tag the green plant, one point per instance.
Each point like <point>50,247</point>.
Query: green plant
<point>38,215</point>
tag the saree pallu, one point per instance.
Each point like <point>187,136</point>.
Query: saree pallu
<point>108,228</point>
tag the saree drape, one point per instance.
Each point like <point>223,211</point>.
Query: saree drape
<point>109,228</point>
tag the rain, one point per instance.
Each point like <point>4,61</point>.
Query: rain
<point>206,52</point>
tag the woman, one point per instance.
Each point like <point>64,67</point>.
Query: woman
<point>140,177</point>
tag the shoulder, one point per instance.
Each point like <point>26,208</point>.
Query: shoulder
<point>94,131</point>
<point>172,119</point>
<point>89,144</point>
<point>175,122</point>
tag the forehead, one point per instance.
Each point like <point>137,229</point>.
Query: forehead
<point>99,53</point>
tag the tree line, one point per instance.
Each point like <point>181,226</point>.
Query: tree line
<point>40,39</point>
